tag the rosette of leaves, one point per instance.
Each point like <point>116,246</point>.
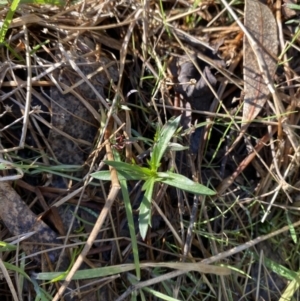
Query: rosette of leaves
<point>151,174</point>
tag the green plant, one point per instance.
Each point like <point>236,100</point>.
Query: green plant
<point>151,174</point>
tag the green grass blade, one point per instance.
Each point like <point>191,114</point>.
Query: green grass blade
<point>130,220</point>
<point>292,229</point>
<point>4,247</point>
<point>278,268</point>
<point>14,268</point>
<point>90,273</point>
<point>159,295</point>
<point>40,293</point>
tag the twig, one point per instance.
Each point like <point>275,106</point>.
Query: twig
<point>33,79</point>
<point>28,90</point>
<point>8,280</point>
<point>229,180</point>
<point>248,244</point>
<point>98,225</point>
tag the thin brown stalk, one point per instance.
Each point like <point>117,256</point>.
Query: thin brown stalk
<point>115,187</point>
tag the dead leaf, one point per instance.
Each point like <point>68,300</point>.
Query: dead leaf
<point>261,24</point>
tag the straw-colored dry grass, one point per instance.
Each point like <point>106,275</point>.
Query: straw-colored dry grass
<point>134,61</point>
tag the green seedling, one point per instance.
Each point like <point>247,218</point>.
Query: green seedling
<point>151,174</point>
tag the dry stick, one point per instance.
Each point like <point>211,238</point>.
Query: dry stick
<point>194,211</point>
<point>287,73</point>
<point>147,283</point>
<point>229,180</point>
<point>214,114</point>
<point>35,78</point>
<point>168,223</point>
<point>75,192</point>
<point>229,75</point>
<point>86,80</point>
<point>287,172</point>
<point>19,87</point>
<point>68,89</point>
<point>28,92</point>
<point>248,244</point>
<point>85,28</point>
<point>213,108</point>
<point>215,251</point>
<point>8,280</point>
<point>98,225</point>
<point>282,44</point>
<point>259,275</point>
<point>114,177</point>
<point>16,121</point>
<point>105,210</point>
<point>182,15</point>
<point>212,21</point>
<point>269,83</point>
<point>189,38</point>
<point>145,35</point>
<point>283,184</point>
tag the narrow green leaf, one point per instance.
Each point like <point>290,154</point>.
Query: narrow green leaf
<point>90,273</point>
<point>41,294</point>
<point>145,208</point>
<point>4,247</point>
<point>184,183</point>
<point>14,268</point>
<point>292,228</point>
<point>159,295</point>
<point>278,268</point>
<point>130,220</point>
<point>104,175</point>
<point>164,137</point>
<point>122,166</point>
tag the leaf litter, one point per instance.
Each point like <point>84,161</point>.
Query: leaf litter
<point>180,59</point>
